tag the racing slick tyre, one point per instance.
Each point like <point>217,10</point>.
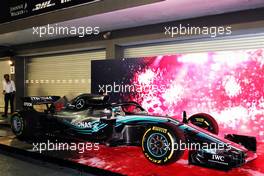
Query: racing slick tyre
<point>205,121</point>
<point>162,144</point>
<point>23,126</point>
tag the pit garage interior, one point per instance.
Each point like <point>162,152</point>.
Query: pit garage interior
<point>61,65</point>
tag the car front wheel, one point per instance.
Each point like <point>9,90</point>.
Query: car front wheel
<point>205,121</point>
<point>162,144</point>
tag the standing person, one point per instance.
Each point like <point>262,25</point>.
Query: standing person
<point>9,90</point>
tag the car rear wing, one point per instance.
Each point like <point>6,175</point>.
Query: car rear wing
<point>38,100</point>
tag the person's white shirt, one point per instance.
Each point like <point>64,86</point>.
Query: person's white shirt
<point>9,87</point>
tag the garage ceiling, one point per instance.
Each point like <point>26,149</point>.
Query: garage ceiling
<point>169,10</point>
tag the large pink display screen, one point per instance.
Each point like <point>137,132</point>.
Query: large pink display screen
<point>228,85</point>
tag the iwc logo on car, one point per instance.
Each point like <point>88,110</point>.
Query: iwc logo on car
<point>43,5</point>
<point>218,157</point>
<point>18,10</point>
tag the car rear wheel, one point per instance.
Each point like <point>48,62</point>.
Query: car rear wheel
<point>205,121</point>
<point>162,144</point>
<point>17,124</point>
<point>24,127</point>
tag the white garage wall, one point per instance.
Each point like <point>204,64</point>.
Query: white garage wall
<point>61,74</point>
<point>196,46</point>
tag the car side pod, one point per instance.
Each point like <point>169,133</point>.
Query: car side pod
<point>109,130</point>
<point>109,121</point>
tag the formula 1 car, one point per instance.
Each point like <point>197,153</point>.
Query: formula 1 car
<point>163,139</point>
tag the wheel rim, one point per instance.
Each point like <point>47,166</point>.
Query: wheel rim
<point>80,104</point>
<point>17,124</point>
<point>157,145</point>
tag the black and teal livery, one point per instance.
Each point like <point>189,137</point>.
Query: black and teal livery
<point>163,139</point>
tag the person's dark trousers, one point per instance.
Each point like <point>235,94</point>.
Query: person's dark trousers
<point>9,97</point>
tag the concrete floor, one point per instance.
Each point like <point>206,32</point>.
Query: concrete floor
<point>4,120</point>
<point>10,166</point>
<point>18,165</point>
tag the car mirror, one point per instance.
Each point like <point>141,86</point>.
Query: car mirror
<point>184,117</point>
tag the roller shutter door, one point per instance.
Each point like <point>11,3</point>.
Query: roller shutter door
<point>61,74</point>
<point>4,69</point>
<point>196,46</point>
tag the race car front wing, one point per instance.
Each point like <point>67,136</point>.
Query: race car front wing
<point>227,158</point>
